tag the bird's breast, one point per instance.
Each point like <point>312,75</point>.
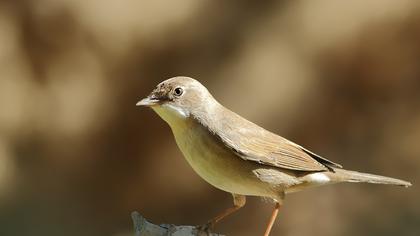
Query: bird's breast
<point>215,163</point>
<point>210,158</point>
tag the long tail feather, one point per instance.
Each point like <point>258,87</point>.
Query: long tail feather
<point>342,175</point>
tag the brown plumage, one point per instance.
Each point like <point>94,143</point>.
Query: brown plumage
<point>254,143</point>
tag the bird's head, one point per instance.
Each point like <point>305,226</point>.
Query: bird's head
<point>178,98</point>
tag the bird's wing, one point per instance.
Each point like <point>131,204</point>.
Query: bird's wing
<point>253,143</point>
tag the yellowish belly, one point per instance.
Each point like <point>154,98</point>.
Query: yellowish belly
<point>218,165</point>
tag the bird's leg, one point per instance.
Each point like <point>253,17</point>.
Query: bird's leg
<point>272,219</point>
<point>238,202</point>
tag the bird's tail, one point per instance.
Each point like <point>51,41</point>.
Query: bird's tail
<point>342,175</point>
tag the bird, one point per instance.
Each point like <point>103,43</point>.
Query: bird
<point>238,156</point>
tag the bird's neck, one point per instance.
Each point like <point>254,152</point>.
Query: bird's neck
<point>175,117</point>
<point>180,119</point>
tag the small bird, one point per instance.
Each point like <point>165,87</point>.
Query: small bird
<point>238,156</point>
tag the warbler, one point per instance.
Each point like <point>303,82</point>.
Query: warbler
<point>238,156</point>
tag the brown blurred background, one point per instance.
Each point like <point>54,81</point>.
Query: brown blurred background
<point>342,78</point>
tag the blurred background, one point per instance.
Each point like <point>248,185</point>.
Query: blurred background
<point>342,78</point>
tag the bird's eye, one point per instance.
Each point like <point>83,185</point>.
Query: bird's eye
<point>178,91</point>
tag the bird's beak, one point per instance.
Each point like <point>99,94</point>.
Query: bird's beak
<point>148,102</point>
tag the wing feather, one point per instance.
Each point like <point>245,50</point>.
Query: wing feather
<point>253,143</point>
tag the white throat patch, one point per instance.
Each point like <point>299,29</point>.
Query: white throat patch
<point>173,115</point>
<point>178,111</point>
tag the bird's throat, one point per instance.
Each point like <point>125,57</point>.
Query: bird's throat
<point>176,117</point>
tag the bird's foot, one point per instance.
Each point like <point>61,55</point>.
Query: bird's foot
<point>205,229</point>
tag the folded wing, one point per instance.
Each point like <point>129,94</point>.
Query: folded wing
<point>253,143</point>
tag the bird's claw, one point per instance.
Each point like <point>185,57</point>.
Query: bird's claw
<point>205,229</point>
